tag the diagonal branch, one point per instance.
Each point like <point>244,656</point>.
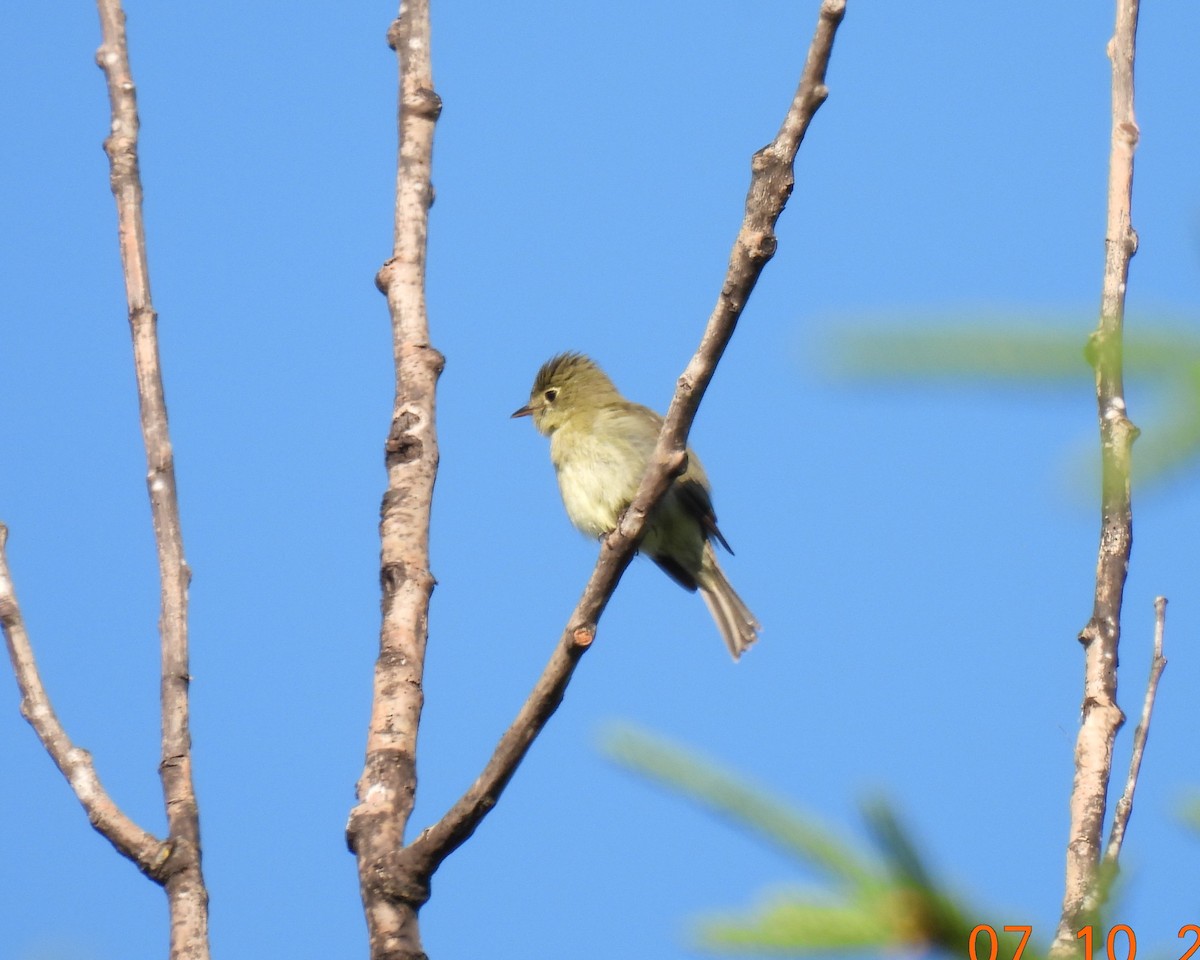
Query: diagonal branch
<point>1102,718</point>
<point>75,763</point>
<point>182,877</point>
<point>1116,834</point>
<point>772,178</point>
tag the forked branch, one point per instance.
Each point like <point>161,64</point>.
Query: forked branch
<point>1116,833</point>
<point>175,862</point>
<point>1102,718</point>
<point>771,182</point>
<point>395,879</point>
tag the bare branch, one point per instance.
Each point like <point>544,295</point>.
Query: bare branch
<point>772,178</point>
<point>1102,718</point>
<point>1116,835</point>
<point>387,787</point>
<point>75,763</point>
<point>174,863</point>
<point>184,882</point>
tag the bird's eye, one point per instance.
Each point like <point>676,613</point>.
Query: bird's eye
<point>551,395</point>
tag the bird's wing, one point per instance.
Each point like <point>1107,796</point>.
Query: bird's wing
<point>691,488</point>
<point>675,570</point>
<point>696,500</point>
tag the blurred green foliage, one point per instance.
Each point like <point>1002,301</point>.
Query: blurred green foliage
<point>1164,361</point>
<point>1189,811</point>
<point>869,901</point>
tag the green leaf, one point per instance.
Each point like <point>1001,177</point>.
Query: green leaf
<point>704,783</point>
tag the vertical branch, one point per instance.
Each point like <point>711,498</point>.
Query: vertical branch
<point>183,880</point>
<point>1102,718</point>
<point>387,787</point>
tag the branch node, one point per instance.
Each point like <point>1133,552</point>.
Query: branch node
<point>395,33</point>
<point>403,445</point>
<point>383,276</point>
<point>1129,132</point>
<point>426,104</point>
<point>401,877</point>
<point>583,636</point>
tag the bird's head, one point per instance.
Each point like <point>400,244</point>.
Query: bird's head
<point>567,385</point>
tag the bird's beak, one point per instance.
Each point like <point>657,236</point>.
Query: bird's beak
<point>525,411</point>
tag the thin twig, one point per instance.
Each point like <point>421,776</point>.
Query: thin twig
<point>186,894</point>
<point>772,178</point>
<point>388,784</point>
<point>1102,718</point>
<point>1116,834</point>
<point>75,763</point>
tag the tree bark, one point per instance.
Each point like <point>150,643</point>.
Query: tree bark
<point>1102,718</point>
<point>387,787</point>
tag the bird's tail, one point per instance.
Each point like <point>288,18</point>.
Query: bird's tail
<point>737,624</point>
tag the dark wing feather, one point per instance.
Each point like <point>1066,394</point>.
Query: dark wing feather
<point>696,500</point>
<point>673,569</point>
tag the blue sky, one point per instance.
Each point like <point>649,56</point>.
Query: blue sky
<point>921,557</point>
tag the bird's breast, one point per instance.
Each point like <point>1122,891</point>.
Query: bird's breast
<point>597,479</point>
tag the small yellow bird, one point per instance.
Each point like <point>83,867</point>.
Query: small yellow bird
<point>600,445</point>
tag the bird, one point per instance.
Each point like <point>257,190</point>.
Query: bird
<point>600,445</point>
